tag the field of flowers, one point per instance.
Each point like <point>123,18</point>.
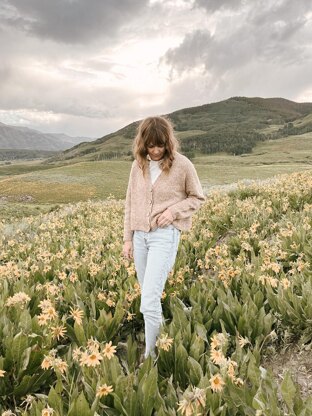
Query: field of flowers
<point>72,334</point>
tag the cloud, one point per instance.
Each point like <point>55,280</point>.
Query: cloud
<point>262,32</point>
<point>71,21</point>
<point>214,5</point>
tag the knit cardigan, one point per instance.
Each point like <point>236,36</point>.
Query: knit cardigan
<point>179,191</point>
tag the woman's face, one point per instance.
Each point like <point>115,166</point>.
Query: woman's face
<point>156,152</point>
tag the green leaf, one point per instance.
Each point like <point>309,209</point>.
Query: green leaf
<point>195,371</point>
<point>19,345</point>
<point>147,391</point>
<point>80,335</point>
<point>55,401</point>
<point>288,390</point>
<point>80,407</point>
<point>201,331</point>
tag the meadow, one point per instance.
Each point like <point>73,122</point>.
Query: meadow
<point>72,334</point>
<point>41,184</point>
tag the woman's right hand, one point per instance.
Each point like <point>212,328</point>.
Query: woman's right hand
<point>127,250</point>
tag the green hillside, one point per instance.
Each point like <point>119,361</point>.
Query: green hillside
<point>233,126</point>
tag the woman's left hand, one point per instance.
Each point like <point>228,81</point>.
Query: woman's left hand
<point>165,218</point>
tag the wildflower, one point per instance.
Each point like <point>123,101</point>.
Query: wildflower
<point>77,314</point>
<point>216,383</point>
<point>73,277</point>
<point>238,381</point>
<point>186,407</point>
<point>45,304</point>
<point>272,281</point>
<point>130,316</point>
<point>42,319</point>
<point>231,369</point>
<point>218,340</point>
<point>47,411</point>
<point>217,357</point>
<point>104,390</point>
<point>101,296</point>
<point>47,362</point>
<point>164,343</point>
<point>77,354</point>
<point>60,365</point>
<point>93,345</point>
<point>19,298</point>
<point>2,373</point>
<point>58,331</point>
<point>50,312</point>
<point>110,303</point>
<point>199,396</point>
<point>285,283</point>
<point>192,402</point>
<point>109,350</point>
<point>62,275</point>
<point>243,341</point>
<point>91,360</point>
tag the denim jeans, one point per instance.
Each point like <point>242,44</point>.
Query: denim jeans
<point>154,255</point>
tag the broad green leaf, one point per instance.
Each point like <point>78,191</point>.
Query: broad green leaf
<point>195,371</point>
<point>288,390</point>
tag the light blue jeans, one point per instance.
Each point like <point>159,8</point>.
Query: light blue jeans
<point>154,254</point>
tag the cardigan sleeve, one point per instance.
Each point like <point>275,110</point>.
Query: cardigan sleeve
<point>128,233</point>
<point>195,196</point>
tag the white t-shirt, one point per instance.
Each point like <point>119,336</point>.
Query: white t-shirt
<point>154,168</point>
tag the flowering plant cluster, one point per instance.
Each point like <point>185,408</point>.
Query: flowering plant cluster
<point>71,329</point>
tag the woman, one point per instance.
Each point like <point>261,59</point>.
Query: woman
<point>163,192</point>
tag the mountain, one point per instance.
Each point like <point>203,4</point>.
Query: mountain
<point>17,138</point>
<point>233,126</point>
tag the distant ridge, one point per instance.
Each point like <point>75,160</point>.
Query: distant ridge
<point>24,138</point>
<point>234,126</point>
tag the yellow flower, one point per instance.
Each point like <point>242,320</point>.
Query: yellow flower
<point>58,331</point>
<point>216,383</point>
<point>77,314</point>
<point>91,360</point>
<point>46,363</point>
<point>192,402</point>
<point>164,343</point>
<point>285,283</point>
<point>104,390</point>
<point>243,341</point>
<point>50,312</point>
<point>239,381</point>
<point>217,357</point>
<point>77,354</point>
<point>93,345</point>
<point>109,350</point>
<point>130,316</point>
<point>60,365</point>
<point>47,411</point>
<point>218,340</point>
<point>186,407</point>
<point>110,303</point>
<point>42,319</point>
<point>2,373</point>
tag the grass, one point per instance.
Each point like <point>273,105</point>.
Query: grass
<point>100,179</point>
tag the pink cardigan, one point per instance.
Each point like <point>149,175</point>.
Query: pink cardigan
<point>180,191</point>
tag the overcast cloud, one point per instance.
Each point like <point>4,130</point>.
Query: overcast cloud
<point>90,67</point>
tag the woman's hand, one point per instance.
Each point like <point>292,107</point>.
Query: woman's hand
<point>165,218</point>
<point>127,250</point>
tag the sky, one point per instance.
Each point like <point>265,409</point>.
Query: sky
<point>90,67</point>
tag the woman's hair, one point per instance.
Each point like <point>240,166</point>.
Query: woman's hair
<point>156,131</point>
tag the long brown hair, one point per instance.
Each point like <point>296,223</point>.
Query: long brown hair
<point>157,131</point>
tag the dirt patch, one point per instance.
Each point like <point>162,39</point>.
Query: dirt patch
<point>295,359</point>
